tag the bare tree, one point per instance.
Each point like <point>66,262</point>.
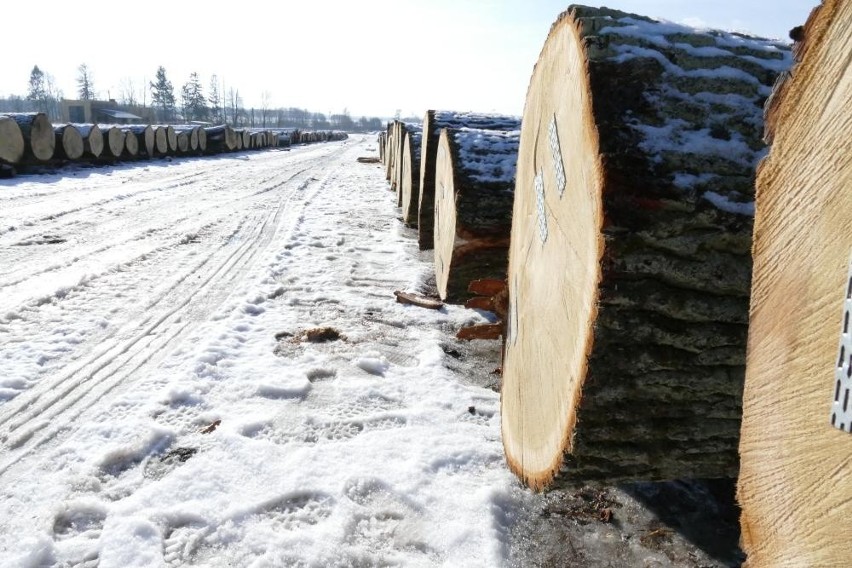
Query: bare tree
<point>264,107</point>
<point>127,92</point>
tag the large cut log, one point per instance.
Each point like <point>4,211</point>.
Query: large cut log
<point>131,144</point>
<point>37,131</point>
<point>161,139</point>
<point>192,137</point>
<point>221,138</point>
<point>403,128</point>
<point>145,138</point>
<point>410,185</point>
<point>11,140</point>
<point>171,138</point>
<point>390,147</point>
<point>113,141</point>
<point>93,140</point>
<point>629,273</point>
<point>433,122</point>
<point>183,142</point>
<point>202,139</point>
<point>69,142</point>
<point>795,484</point>
<point>474,181</point>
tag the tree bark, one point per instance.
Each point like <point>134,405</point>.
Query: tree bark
<point>93,140</point>
<point>410,186</point>
<point>630,253</point>
<point>113,141</point>
<point>796,443</point>
<point>12,144</point>
<point>474,180</point>
<point>37,131</point>
<point>69,142</point>
<point>433,122</point>
<point>145,138</point>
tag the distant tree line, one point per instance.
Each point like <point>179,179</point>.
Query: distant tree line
<point>190,104</point>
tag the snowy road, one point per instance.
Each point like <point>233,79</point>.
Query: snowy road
<point>161,405</point>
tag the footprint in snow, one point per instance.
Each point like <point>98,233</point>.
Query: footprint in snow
<point>76,530</point>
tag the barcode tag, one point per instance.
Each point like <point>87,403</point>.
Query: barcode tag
<point>542,211</point>
<point>556,153</point>
<point>841,407</point>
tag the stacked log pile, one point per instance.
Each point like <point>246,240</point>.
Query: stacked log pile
<point>29,139</point>
<point>475,183</point>
<point>630,251</point>
<point>409,186</point>
<point>796,443</point>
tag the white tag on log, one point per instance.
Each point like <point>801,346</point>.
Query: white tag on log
<point>841,406</point>
<point>556,153</point>
<point>542,212</point>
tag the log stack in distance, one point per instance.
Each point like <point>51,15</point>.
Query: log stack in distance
<point>795,483</point>
<point>475,182</point>
<point>630,264</point>
<point>433,122</point>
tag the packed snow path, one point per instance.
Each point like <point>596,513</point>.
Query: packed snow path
<point>160,404</point>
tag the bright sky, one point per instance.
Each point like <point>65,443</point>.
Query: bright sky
<point>372,57</point>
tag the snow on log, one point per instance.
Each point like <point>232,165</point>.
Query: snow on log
<point>131,143</point>
<point>433,122</point>
<point>796,440</point>
<point>629,274</point>
<point>93,140</point>
<point>37,131</point>
<point>11,140</point>
<point>221,138</point>
<point>145,138</point>
<point>161,139</point>
<point>410,186</point>
<point>113,141</point>
<point>474,181</point>
<point>69,142</point>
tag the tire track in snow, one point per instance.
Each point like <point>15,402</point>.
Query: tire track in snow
<point>39,415</point>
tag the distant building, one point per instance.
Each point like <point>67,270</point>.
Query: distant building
<point>108,112</point>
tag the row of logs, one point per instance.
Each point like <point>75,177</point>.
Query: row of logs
<point>628,340</point>
<point>30,138</point>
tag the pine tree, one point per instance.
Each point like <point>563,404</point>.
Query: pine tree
<point>85,85</point>
<point>36,90</point>
<point>163,94</point>
<point>192,99</point>
<point>215,100</point>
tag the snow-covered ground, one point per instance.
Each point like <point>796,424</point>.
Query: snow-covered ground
<point>161,405</point>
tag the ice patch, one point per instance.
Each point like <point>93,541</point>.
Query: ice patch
<point>372,362</point>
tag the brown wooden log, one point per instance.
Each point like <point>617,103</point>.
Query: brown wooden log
<point>69,142</point>
<point>475,181</point>
<point>794,486</point>
<point>161,140</point>
<point>145,138</point>
<point>221,138</point>
<point>113,141</point>
<point>630,252</point>
<point>37,131</point>
<point>433,122</point>
<point>480,331</point>
<point>93,140</point>
<point>191,132</point>
<point>131,144</point>
<point>12,144</point>
<point>410,184</point>
<point>415,300</point>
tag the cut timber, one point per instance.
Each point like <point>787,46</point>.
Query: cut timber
<point>202,139</point>
<point>93,140</point>
<point>191,133</point>
<point>113,141</point>
<point>131,144</point>
<point>69,142</point>
<point>475,182</point>
<point>145,138</point>
<point>183,142</point>
<point>795,484</point>
<point>409,188</point>
<point>221,138</point>
<point>39,139</point>
<point>415,300</point>
<point>171,138</point>
<point>629,272</point>
<point>11,141</point>
<point>161,140</point>
<point>433,122</point>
